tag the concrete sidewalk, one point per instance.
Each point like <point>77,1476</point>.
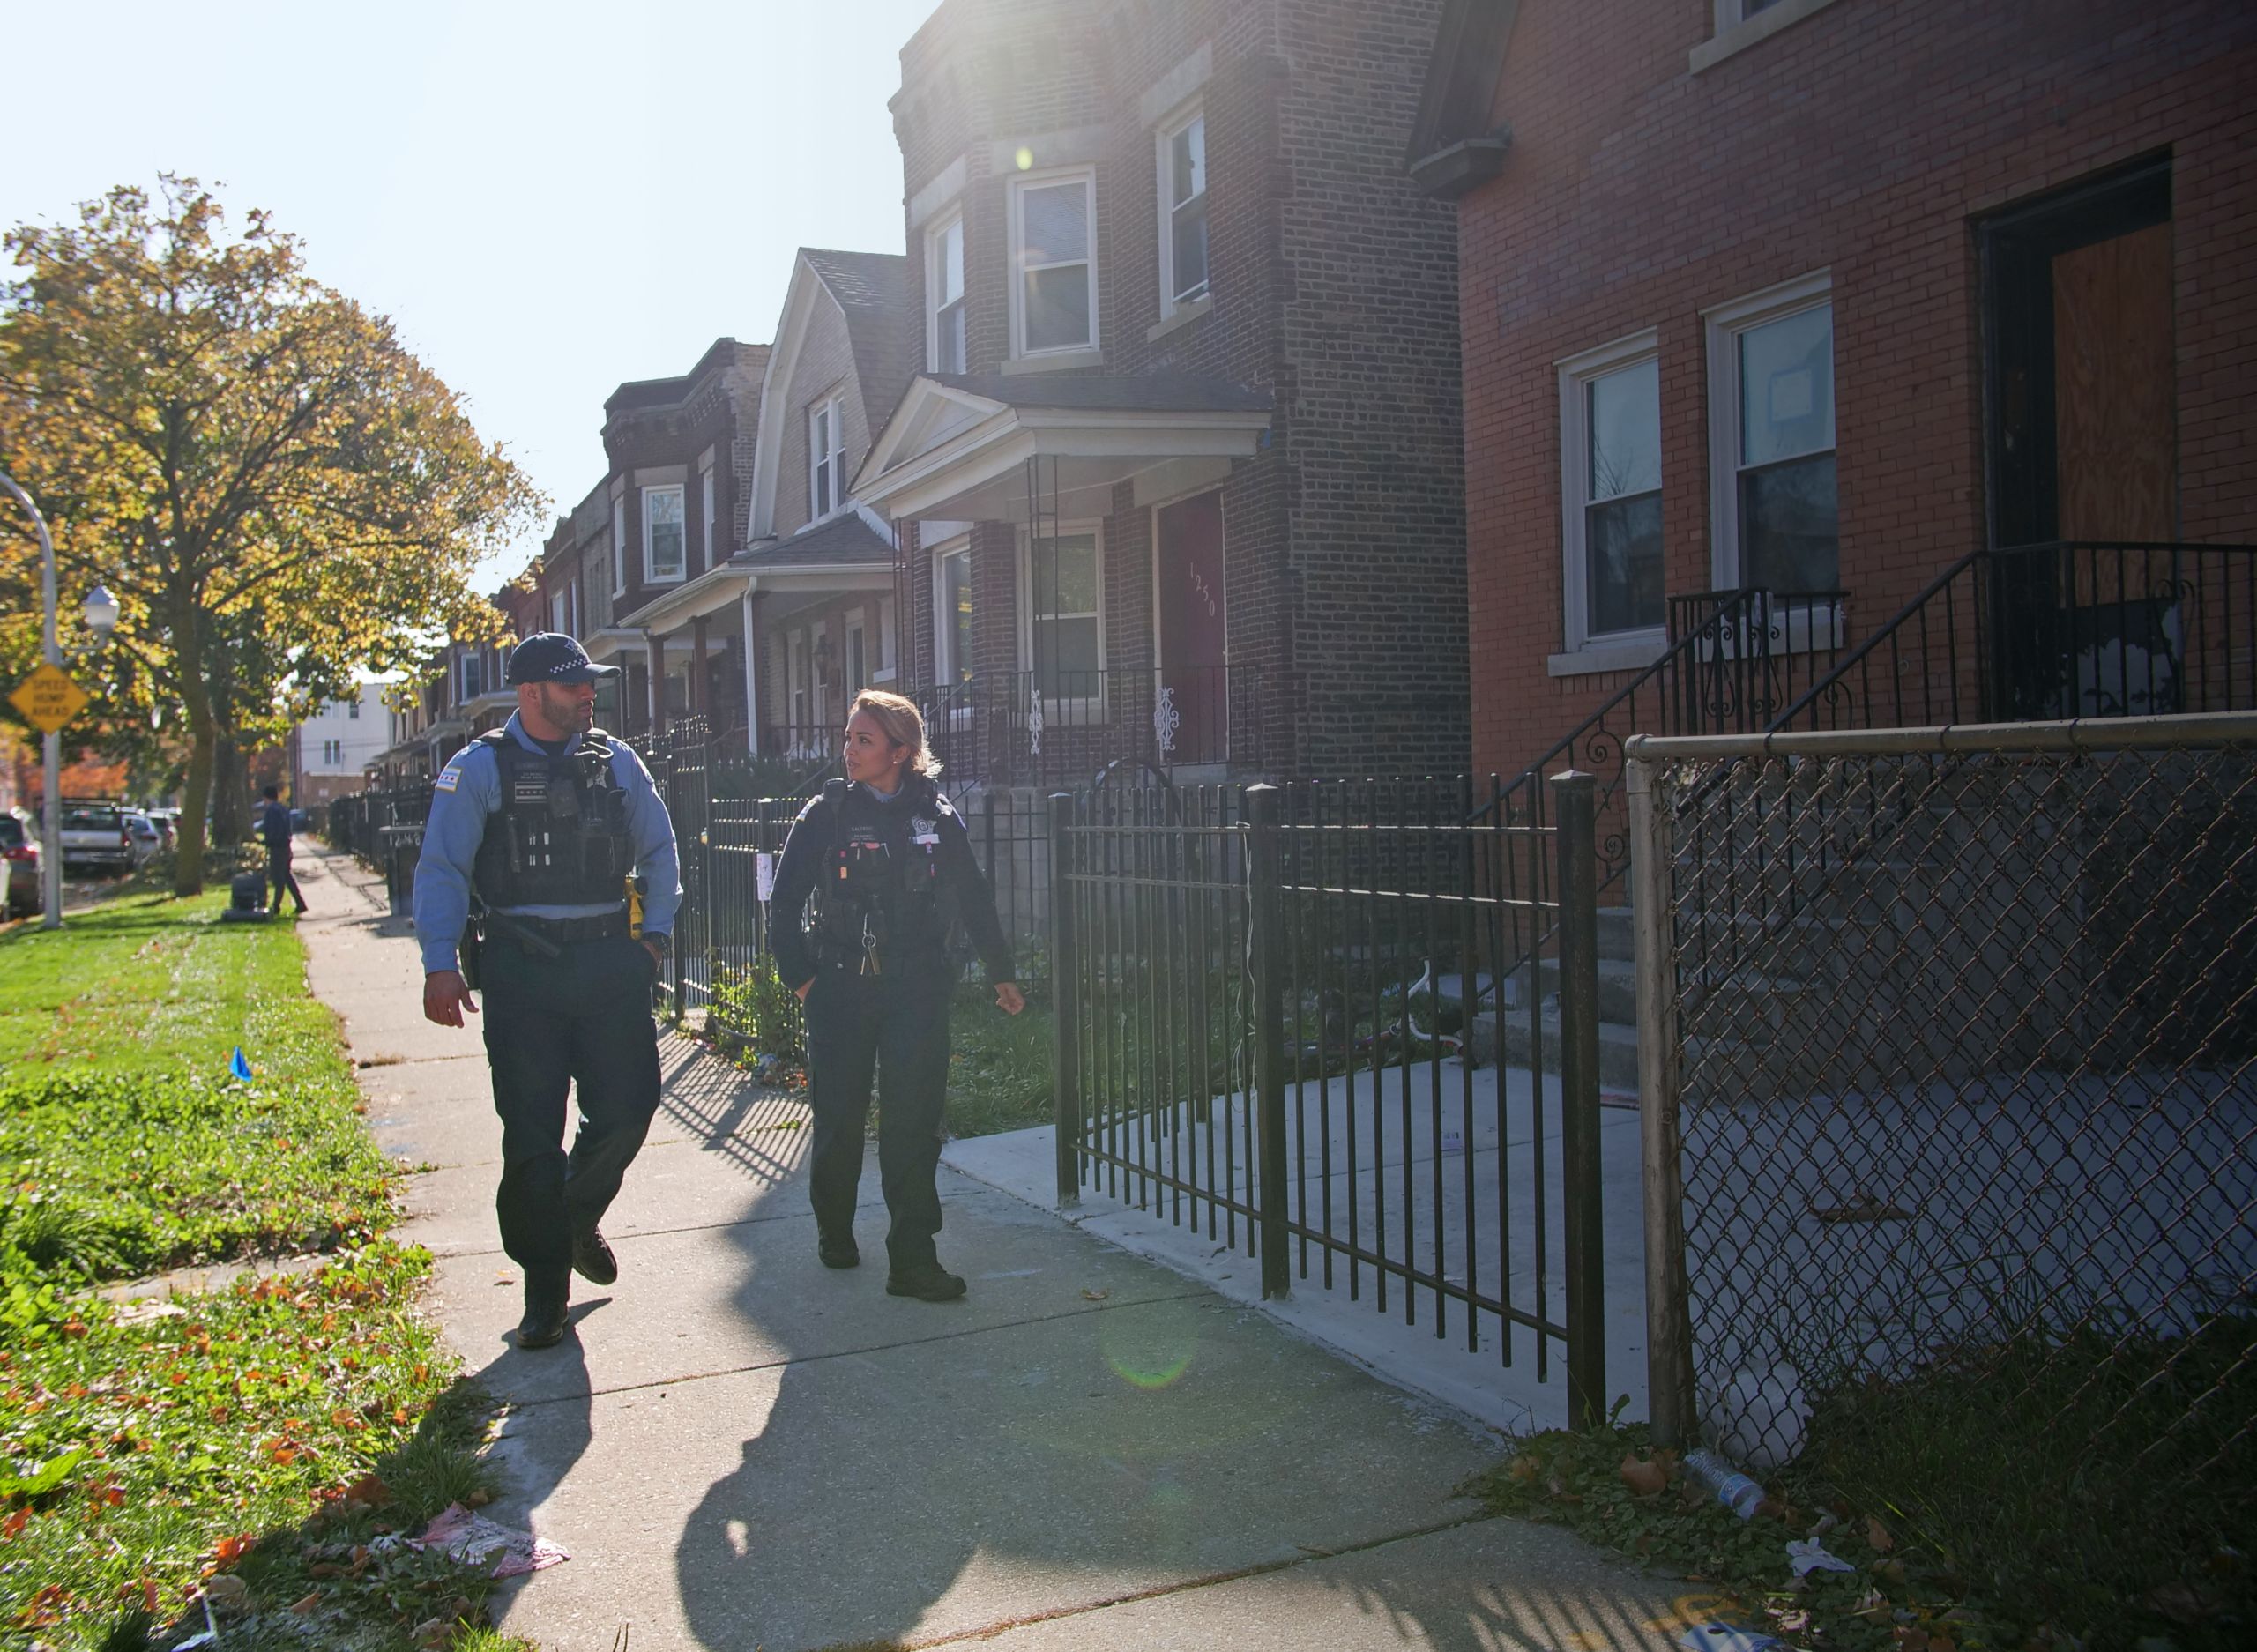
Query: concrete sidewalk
<point>743,1449</point>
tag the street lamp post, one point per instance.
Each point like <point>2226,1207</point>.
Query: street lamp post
<point>50,866</point>
<point>102,617</point>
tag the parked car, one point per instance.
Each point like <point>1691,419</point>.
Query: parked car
<point>145,838</point>
<point>20,853</point>
<point>168,822</point>
<point>95,837</point>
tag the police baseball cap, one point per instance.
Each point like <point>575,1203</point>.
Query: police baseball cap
<point>553,657</point>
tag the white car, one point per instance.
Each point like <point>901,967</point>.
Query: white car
<point>144,838</point>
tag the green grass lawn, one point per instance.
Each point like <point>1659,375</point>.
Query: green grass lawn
<point>281,1434</point>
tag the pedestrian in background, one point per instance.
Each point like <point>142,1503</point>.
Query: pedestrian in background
<point>542,821</point>
<point>274,831</point>
<point>889,868</point>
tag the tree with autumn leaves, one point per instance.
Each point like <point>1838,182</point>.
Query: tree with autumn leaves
<point>279,495</point>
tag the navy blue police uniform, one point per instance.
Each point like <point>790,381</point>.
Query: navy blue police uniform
<point>865,898</point>
<point>543,837</point>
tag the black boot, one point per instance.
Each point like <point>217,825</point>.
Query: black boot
<point>546,1300</point>
<point>592,1258</point>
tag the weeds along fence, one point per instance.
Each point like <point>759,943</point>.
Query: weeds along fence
<point>1948,1041</point>
<point>1266,1009</point>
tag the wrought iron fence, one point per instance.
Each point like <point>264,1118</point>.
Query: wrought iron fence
<point>1948,1047</point>
<point>1264,1033</point>
<point>2093,630</point>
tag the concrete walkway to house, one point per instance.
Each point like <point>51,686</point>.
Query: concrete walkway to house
<point>741,1449</point>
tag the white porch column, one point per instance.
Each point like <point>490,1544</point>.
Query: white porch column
<point>747,612</point>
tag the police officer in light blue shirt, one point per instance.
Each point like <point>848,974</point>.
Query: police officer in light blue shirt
<point>540,824</point>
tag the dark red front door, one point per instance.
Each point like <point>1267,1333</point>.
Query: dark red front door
<point>1193,688</point>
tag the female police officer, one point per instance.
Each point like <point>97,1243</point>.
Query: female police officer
<point>889,868</point>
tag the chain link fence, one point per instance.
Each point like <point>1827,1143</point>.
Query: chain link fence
<point>1949,1050</point>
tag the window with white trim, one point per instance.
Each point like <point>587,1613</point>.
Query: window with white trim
<point>662,534</point>
<point>1771,440</point>
<point>619,545</point>
<point>706,503</point>
<point>1183,210</point>
<point>952,616</point>
<point>1610,491</point>
<point>884,671</point>
<point>474,674</point>
<point>352,711</point>
<point>1063,638</point>
<point>826,458</point>
<point>856,665</point>
<point>944,325</point>
<point>1053,257</point>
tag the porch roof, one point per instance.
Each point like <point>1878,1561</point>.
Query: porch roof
<point>956,448</point>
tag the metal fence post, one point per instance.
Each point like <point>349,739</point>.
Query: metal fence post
<point>1575,793</point>
<point>1065,1046</point>
<point>1669,1334</point>
<point>1265,941</point>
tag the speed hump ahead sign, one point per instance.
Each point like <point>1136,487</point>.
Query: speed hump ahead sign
<point>48,699</point>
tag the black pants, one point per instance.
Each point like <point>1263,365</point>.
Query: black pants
<point>898,1024</point>
<point>280,875</point>
<point>584,1018</point>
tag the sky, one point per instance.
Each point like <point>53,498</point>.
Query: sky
<point>546,198</point>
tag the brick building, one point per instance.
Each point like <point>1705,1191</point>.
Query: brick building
<point>627,571</point>
<point>1179,477</point>
<point>1820,296</point>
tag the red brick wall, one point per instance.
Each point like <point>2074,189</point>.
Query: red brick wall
<point>1866,139</point>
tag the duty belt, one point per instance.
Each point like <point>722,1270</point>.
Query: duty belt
<point>559,932</point>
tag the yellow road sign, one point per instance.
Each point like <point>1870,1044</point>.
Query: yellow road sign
<point>48,699</point>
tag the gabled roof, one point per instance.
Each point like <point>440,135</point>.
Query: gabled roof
<point>957,447</point>
<point>1454,144</point>
<point>872,291</point>
<point>869,289</point>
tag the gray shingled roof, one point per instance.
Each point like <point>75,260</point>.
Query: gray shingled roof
<point>845,540</point>
<point>1147,392</point>
<point>873,289</point>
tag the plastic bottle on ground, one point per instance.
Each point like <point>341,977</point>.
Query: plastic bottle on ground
<point>1735,1490</point>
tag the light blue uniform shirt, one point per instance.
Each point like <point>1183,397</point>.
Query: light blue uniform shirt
<point>469,789</point>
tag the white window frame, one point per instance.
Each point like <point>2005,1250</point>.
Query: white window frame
<point>935,268</point>
<point>705,501</point>
<point>831,408</point>
<point>560,608</point>
<point>1019,270</point>
<point>1095,529</point>
<point>352,711</point>
<point>885,655</point>
<point>1725,324</point>
<point>1611,650</point>
<point>946,667</point>
<point>619,544</point>
<point>651,575</point>
<point>1163,142</point>
<point>853,654</point>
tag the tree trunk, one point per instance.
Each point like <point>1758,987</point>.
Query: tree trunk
<point>230,794</point>
<point>196,795</point>
<point>203,735</point>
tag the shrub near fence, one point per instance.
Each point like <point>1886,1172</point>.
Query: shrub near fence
<point>1951,1091</point>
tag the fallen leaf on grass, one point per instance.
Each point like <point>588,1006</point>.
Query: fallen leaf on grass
<point>1645,1479</point>
<point>1523,1469</point>
<point>1877,1535</point>
<point>301,1607</point>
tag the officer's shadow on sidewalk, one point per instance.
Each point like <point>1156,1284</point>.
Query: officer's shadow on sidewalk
<point>943,1479</point>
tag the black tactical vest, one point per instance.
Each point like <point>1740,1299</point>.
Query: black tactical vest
<point>881,886</point>
<point>561,837</point>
